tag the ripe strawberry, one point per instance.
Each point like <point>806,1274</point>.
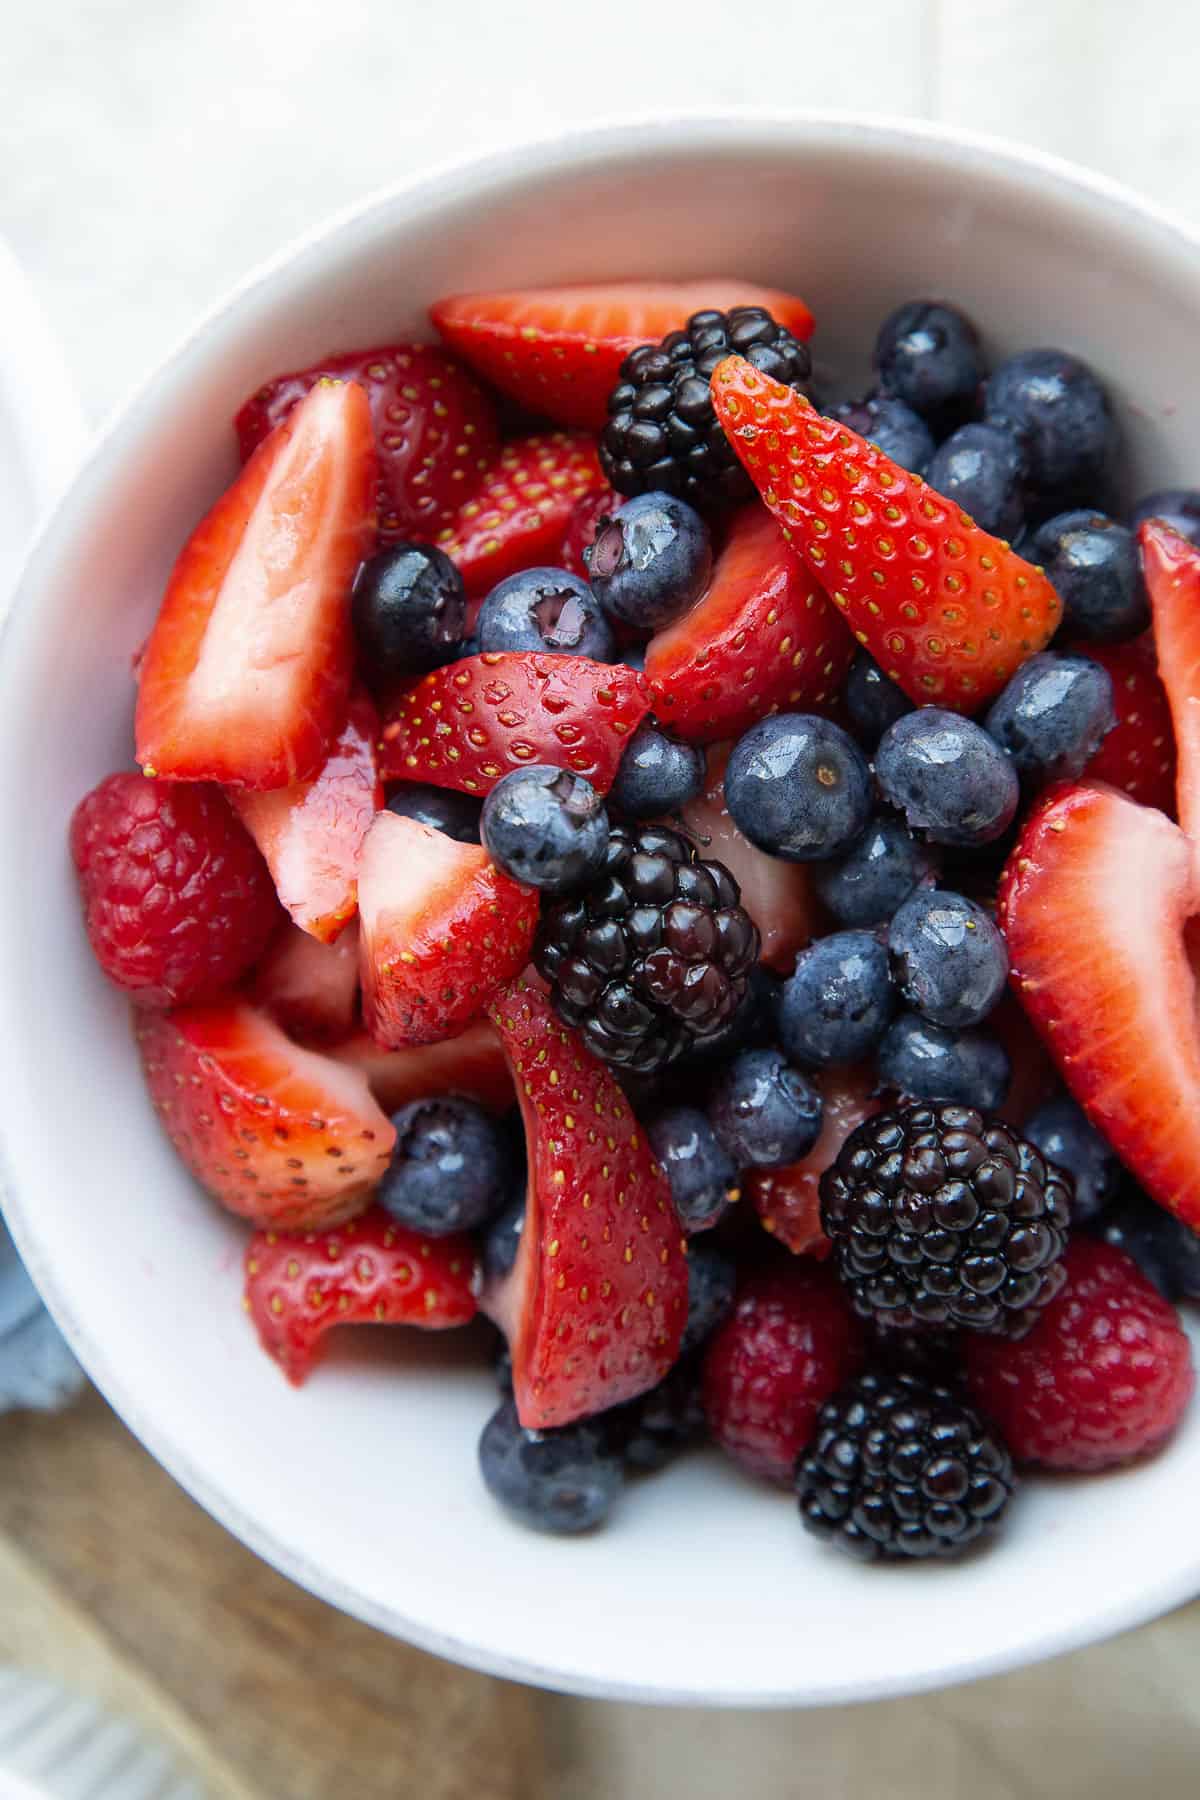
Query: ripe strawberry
<point>763,639</point>
<point>948,611</point>
<point>434,428</point>
<point>582,522</point>
<point>247,671</point>
<point>309,988</point>
<point>468,724</point>
<point>371,1271</point>
<point>1104,1376</point>
<point>471,1064</point>
<point>312,832</point>
<point>1172,567</point>
<point>1138,754</point>
<point>285,1137</point>
<point>441,928</point>
<point>517,516</point>
<point>177,901</point>
<point>787,1199</point>
<point>595,1306</point>
<point>1094,903</point>
<point>559,350</point>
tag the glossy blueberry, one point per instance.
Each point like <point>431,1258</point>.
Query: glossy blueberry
<point>1060,415</point>
<point>880,869</point>
<point>548,610</point>
<point>763,1111</point>
<point>980,469</point>
<point>442,809</point>
<point>1177,507</point>
<point>712,1277</point>
<point>1053,716</point>
<point>650,561</point>
<point>1095,568</point>
<point>837,1004</point>
<point>449,1168</point>
<point>948,959</point>
<point>929,356</point>
<point>892,427</point>
<point>873,701</point>
<point>799,787</point>
<point>658,772</point>
<point>947,776</point>
<point>1063,1133</point>
<point>409,611</point>
<point>1164,1249</point>
<point>546,827</point>
<point>927,1062</point>
<point>634,657</point>
<point>558,1481</point>
<point>502,1241</point>
<point>704,1180</point>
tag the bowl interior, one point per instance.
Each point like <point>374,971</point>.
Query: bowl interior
<point>363,1486</point>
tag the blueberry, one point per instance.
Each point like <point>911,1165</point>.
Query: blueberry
<point>658,772</point>
<point>549,610</point>
<point>634,657</point>
<point>929,356</point>
<point>763,1111</point>
<point>703,1179</point>
<point>948,959</point>
<point>1177,507</point>
<point>892,427</point>
<point>1053,716</point>
<point>503,1240</point>
<point>799,787</point>
<point>873,701</point>
<point>650,561</point>
<point>653,1429</point>
<point>980,469</point>
<point>1063,1133</point>
<point>837,1004</point>
<point>448,1170</point>
<point>546,827</point>
<point>1094,566</point>
<point>712,1277</point>
<point>927,1062</point>
<point>1060,415</point>
<point>559,1481</point>
<point>880,869</point>
<point>409,610</point>
<point>755,1023</point>
<point>1164,1249</point>
<point>442,809</point>
<point>948,777</point>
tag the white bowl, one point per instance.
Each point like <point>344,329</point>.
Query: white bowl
<point>363,1486</point>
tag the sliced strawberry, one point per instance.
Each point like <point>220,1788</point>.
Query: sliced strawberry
<point>1138,754</point>
<point>472,1064</point>
<point>517,516</point>
<point>309,988</point>
<point>434,427</point>
<point>1034,1079</point>
<point>1094,903</point>
<point>1172,567</point>
<point>283,1136</point>
<point>580,534</point>
<point>246,675</point>
<point>787,1199</point>
<point>441,929</point>
<point>559,350</point>
<point>368,1272</point>
<point>948,610</point>
<point>764,638</point>
<point>466,725</point>
<point>595,1306</point>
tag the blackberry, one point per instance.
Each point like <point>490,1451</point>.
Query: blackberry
<point>940,1215</point>
<point>653,955</point>
<point>900,1467</point>
<point>662,434</point>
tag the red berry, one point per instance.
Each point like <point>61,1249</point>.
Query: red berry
<point>1138,754</point>
<point>582,524</point>
<point>518,514</point>
<point>1104,1375</point>
<point>178,902</point>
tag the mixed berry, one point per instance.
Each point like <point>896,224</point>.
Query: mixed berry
<point>697,882</point>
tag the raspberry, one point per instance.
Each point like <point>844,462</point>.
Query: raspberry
<point>1104,1375</point>
<point>178,902</point>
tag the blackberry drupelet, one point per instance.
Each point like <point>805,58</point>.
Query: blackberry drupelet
<point>653,955</point>
<point>899,1467</point>
<point>662,433</point>
<point>940,1215</point>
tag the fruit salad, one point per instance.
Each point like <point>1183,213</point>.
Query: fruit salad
<point>688,872</point>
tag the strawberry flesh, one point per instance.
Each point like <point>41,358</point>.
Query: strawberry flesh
<point>472,1064</point>
<point>1172,566</point>
<point>788,1199</point>
<point>309,988</point>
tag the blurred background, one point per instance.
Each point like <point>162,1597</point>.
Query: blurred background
<point>150,155</point>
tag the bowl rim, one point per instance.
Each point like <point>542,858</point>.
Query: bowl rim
<point>695,131</point>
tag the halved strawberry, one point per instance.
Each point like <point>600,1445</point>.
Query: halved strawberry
<point>371,1271</point>
<point>1138,754</point>
<point>246,675</point>
<point>1094,904</point>
<point>283,1136</point>
<point>517,516</point>
<point>441,928</point>
<point>948,610</point>
<point>435,429</point>
<point>559,350</point>
<point>788,1199</point>
<point>595,1306</point>
<point>468,724</point>
<point>763,638</point>
<point>472,1064</point>
<point>1172,566</point>
<point>308,987</point>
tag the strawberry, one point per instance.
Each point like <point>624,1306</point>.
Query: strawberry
<point>763,639</point>
<point>787,1199</point>
<point>466,725</point>
<point>434,428</point>
<point>441,928</point>
<point>247,672</point>
<point>595,1305</point>
<point>1094,903</point>
<point>1034,1078</point>
<point>559,350</point>
<point>584,518</point>
<point>309,988</point>
<point>1138,754</point>
<point>283,1136</point>
<point>311,833</point>
<point>948,610</point>
<point>517,516</point>
<point>1172,567</point>
<point>471,1064</point>
<point>370,1271</point>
